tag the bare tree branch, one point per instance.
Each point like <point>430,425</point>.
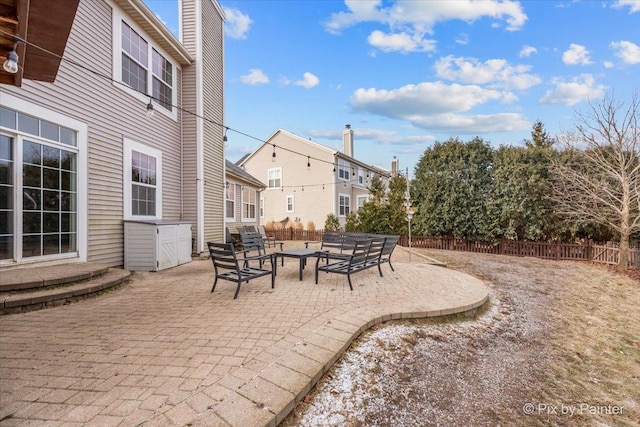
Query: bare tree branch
<point>598,177</point>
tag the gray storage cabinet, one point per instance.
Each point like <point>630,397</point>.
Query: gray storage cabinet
<point>156,245</point>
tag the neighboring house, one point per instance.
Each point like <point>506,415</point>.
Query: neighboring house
<point>242,198</point>
<point>79,156</point>
<point>307,181</point>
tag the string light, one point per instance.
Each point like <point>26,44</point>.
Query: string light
<point>10,65</point>
<point>151,110</point>
<point>224,137</point>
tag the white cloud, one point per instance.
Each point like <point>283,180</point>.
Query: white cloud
<point>527,51</point>
<point>578,89</point>
<point>634,5</point>
<point>400,42</point>
<point>437,106</point>
<point>237,24</point>
<point>473,124</point>
<point>381,136</point>
<point>576,55</point>
<point>422,16</point>
<point>608,64</point>
<point>255,77</point>
<point>410,20</point>
<point>308,81</point>
<point>627,51</point>
<point>462,38</point>
<point>495,72</point>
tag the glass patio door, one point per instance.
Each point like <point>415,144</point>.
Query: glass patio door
<point>49,202</point>
<point>6,198</point>
<point>38,199</point>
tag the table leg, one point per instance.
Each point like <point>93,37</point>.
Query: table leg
<point>301,266</point>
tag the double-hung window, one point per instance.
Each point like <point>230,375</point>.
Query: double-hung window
<point>230,198</point>
<point>343,205</point>
<point>144,68</point>
<point>274,178</point>
<point>360,201</point>
<point>360,176</point>
<point>248,203</point>
<point>343,169</point>
<point>143,181</point>
<point>290,203</point>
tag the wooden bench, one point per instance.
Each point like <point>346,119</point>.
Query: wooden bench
<point>225,257</point>
<point>365,254</point>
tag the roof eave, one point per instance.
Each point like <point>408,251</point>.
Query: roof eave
<point>144,17</point>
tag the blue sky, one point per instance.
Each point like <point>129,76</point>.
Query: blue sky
<point>406,73</point>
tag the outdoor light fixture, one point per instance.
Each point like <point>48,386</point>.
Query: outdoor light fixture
<point>308,162</point>
<point>150,112</point>
<point>11,63</point>
<point>273,156</point>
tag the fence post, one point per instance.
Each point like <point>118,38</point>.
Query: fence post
<point>557,250</point>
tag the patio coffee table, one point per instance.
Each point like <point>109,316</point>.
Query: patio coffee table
<point>302,254</point>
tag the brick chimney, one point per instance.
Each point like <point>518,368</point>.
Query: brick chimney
<point>347,141</point>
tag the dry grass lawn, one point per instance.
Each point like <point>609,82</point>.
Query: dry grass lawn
<point>558,344</point>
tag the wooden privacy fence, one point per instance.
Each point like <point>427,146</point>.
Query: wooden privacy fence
<point>607,253</point>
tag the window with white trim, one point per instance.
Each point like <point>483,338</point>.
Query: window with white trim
<point>43,176</point>
<point>343,169</point>
<point>343,204</point>
<point>290,203</point>
<point>230,201</point>
<point>361,176</point>
<point>142,181</point>
<point>360,201</point>
<point>248,203</point>
<point>145,69</point>
<point>274,178</point>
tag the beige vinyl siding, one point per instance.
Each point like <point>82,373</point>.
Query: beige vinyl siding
<point>111,115</point>
<point>189,121</point>
<point>213,98</point>
<point>312,204</point>
<point>237,222</point>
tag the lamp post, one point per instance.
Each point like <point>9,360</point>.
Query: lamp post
<point>410,211</point>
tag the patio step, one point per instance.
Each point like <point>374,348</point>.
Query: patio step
<point>33,288</point>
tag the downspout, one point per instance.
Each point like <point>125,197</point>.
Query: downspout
<point>200,133</point>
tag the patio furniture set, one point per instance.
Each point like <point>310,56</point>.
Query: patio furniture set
<point>342,253</point>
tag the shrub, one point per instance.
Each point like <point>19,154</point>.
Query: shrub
<point>332,223</point>
<point>351,222</point>
<point>311,226</point>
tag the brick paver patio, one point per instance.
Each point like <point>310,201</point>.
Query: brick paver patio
<point>164,351</point>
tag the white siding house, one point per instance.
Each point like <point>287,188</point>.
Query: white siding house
<point>79,156</point>
<point>307,181</point>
